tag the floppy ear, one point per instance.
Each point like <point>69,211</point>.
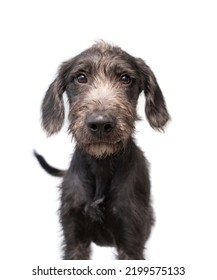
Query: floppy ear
<point>53,106</point>
<point>155,107</point>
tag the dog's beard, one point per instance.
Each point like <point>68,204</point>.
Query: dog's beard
<point>103,149</point>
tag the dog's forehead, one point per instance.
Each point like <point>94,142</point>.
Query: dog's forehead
<point>105,56</point>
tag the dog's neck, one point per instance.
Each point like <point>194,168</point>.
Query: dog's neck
<point>103,169</point>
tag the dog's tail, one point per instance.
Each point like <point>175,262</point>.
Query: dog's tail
<point>51,170</point>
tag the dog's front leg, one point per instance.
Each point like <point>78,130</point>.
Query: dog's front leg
<point>75,226</point>
<point>76,236</point>
<point>130,246</point>
<point>130,233</point>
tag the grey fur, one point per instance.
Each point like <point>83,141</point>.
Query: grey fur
<point>105,194</point>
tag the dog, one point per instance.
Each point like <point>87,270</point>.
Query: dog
<point>105,193</point>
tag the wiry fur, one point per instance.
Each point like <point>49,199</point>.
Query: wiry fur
<point>105,194</point>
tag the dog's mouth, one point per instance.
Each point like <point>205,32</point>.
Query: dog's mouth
<point>105,142</point>
<point>100,149</point>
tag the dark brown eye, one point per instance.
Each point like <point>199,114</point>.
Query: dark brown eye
<point>125,79</point>
<point>81,78</point>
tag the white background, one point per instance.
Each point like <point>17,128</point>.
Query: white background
<point>178,41</point>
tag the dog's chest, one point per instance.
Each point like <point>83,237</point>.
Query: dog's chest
<point>103,174</point>
<point>100,205</point>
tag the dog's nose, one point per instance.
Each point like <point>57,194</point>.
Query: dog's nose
<point>99,124</point>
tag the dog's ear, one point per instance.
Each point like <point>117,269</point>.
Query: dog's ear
<point>155,107</point>
<point>53,105</point>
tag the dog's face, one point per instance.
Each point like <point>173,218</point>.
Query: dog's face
<point>103,84</point>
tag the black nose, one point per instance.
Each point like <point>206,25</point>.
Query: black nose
<point>100,124</point>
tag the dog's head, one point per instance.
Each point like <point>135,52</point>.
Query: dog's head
<point>103,84</point>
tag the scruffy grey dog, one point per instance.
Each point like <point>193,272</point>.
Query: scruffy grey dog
<point>105,193</point>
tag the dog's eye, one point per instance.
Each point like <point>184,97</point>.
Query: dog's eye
<point>81,78</point>
<point>125,79</point>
